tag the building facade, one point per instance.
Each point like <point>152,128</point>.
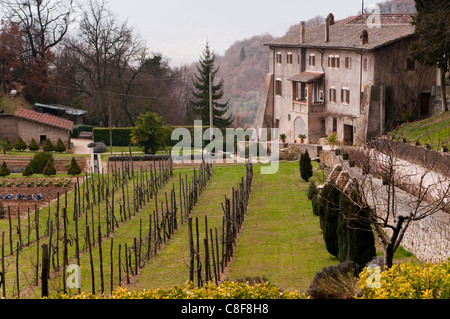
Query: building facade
<point>29,125</point>
<point>348,76</point>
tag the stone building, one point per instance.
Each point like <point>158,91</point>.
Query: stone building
<point>353,77</point>
<point>29,124</point>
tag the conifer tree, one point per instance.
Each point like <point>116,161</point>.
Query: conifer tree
<point>28,171</point>
<point>48,146</point>
<point>306,171</point>
<point>74,168</point>
<point>4,170</point>
<point>33,146</point>
<point>6,145</point>
<point>49,170</point>
<point>60,147</point>
<point>20,145</point>
<point>200,105</point>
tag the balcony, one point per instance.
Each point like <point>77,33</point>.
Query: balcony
<point>302,107</point>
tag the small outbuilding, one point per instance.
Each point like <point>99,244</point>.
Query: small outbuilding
<point>29,125</point>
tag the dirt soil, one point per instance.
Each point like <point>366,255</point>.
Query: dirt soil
<point>50,194</point>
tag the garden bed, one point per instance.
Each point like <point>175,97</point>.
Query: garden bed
<point>48,187</point>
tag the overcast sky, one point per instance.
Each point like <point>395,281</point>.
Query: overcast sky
<point>180,28</point>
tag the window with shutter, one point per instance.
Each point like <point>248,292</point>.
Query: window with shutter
<point>278,87</point>
<point>332,95</point>
<point>348,62</point>
<point>279,58</point>
<point>345,96</point>
<point>289,58</point>
<point>312,60</point>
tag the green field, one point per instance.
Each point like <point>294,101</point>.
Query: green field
<point>281,239</point>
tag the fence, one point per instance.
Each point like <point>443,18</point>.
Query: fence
<point>101,204</point>
<point>217,249</point>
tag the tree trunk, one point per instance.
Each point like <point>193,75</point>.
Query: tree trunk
<point>444,92</point>
<point>389,256</point>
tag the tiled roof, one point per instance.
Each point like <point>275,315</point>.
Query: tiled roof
<point>346,33</point>
<point>306,77</point>
<point>45,119</point>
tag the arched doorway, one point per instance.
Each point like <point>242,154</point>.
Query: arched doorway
<point>300,127</point>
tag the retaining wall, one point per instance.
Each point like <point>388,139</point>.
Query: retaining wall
<point>429,238</point>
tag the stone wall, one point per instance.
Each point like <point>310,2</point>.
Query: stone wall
<point>293,151</point>
<point>9,128</point>
<point>29,130</point>
<point>428,239</point>
<point>13,127</point>
<point>438,161</point>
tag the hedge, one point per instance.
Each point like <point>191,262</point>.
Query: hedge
<point>205,142</point>
<point>121,136</point>
<point>77,129</point>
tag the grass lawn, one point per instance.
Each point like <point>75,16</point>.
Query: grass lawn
<point>434,131</point>
<point>282,240</point>
<point>170,266</point>
<point>10,106</point>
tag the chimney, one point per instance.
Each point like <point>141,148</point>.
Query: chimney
<point>327,30</point>
<point>364,38</point>
<point>302,32</point>
<point>331,18</point>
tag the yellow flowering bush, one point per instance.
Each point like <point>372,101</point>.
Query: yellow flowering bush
<point>226,290</point>
<point>408,281</point>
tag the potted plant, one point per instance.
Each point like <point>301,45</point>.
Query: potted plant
<point>302,138</point>
<point>417,143</point>
<point>332,140</point>
<point>283,138</point>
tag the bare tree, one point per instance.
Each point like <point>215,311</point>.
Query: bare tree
<point>44,23</point>
<point>395,192</point>
<point>108,58</point>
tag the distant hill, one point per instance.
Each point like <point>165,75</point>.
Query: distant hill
<point>243,68</point>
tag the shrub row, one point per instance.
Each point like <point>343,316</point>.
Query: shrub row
<point>346,232</point>
<point>227,290</point>
<point>407,281</point>
<point>122,136</point>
